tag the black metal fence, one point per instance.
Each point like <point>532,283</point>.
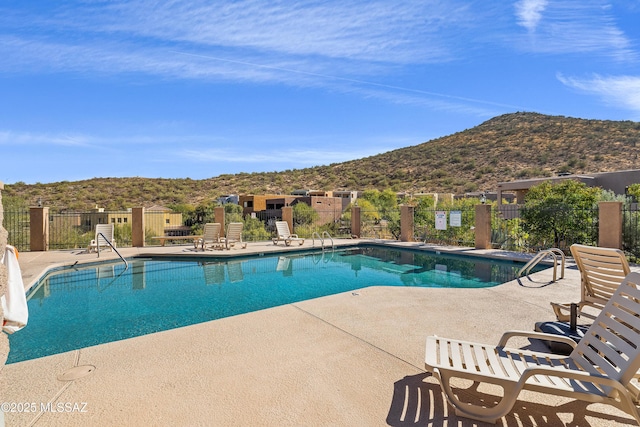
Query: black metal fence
<point>510,231</point>
<point>376,225</point>
<point>631,231</point>
<point>336,223</point>
<point>17,224</point>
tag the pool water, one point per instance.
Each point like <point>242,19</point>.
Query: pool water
<point>72,308</point>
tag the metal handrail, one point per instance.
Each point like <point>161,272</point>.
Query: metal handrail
<point>554,252</point>
<point>321,238</point>
<point>126,264</point>
<point>330,238</point>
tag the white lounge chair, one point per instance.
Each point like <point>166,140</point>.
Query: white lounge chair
<point>598,370</point>
<point>601,271</point>
<point>284,235</point>
<point>104,232</point>
<point>210,236</point>
<point>234,235</point>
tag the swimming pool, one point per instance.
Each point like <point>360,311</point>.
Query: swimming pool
<point>72,308</point>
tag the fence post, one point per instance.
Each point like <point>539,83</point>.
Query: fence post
<point>218,216</point>
<point>287,215</point>
<point>355,221</point>
<point>4,340</point>
<point>137,227</point>
<point>406,223</point>
<point>483,226</point>
<point>39,229</point>
<point>610,224</point>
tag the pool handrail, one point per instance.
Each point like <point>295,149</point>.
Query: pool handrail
<point>554,252</point>
<point>126,264</point>
<point>321,238</point>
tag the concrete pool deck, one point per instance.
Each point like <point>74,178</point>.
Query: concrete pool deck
<point>351,359</point>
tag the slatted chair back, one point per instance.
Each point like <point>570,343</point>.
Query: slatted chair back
<point>611,346</point>
<point>282,228</point>
<point>602,270</point>
<point>104,231</point>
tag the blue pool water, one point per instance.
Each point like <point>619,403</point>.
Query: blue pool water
<point>78,307</point>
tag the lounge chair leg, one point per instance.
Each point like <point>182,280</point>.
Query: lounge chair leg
<point>466,410</point>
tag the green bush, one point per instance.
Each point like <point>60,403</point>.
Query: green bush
<point>561,214</point>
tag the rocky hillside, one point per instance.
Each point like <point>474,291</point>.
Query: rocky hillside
<point>508,147</point>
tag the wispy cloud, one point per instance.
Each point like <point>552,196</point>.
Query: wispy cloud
<point>28,138</point>
<point>402,32</point>
<point>220,149</point>
<point>618,91</point>
<point>377,31</point>
<point>573,26</point>
<point>529,12</point>
<point>101,142</point>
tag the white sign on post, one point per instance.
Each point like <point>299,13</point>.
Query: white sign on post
<point>455,218</point>
<point>441,220</point>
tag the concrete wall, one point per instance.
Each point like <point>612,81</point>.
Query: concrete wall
<point>39,229</point>
<point>483,227</point>
<point>406,223</point>
<point>137,227</point>
<point>287,215</point>
<point>610,225</point>
<point>4,340</point>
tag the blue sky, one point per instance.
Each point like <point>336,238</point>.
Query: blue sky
<point>195,89</point>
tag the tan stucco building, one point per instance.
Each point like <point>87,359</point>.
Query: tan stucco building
<point>614,181</point>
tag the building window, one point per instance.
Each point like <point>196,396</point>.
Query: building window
<point>119,220</point>
<point>166,221</point>
<point>125,220</point>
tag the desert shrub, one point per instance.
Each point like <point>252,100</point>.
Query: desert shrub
<point>561,214</point>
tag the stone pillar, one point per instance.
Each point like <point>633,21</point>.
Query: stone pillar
<point>4,340</point>
<point>355,221</point>
<point>218,216</point>
<point>406,223</point>
<point>137,227</point>
<point>610,225</point>
<point>483,227</point>
<point>39,229</point>
<point>287,215</point>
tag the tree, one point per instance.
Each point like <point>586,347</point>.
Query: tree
<point>189,215</point>
<point>561,214</point>
<point>634,191</point>
<point>385,202</point>
<point>304,214</point>
<point>385,205</point>
<point>232,213</point>
<point>202,214</point>
<point>254,229</point>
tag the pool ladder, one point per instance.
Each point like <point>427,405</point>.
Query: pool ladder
<point>126,264</point>
<point>554,253</point>
<point>321,238</point>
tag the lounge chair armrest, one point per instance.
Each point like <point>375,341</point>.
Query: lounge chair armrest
<point>574,375</point>
<point>537,335</point>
